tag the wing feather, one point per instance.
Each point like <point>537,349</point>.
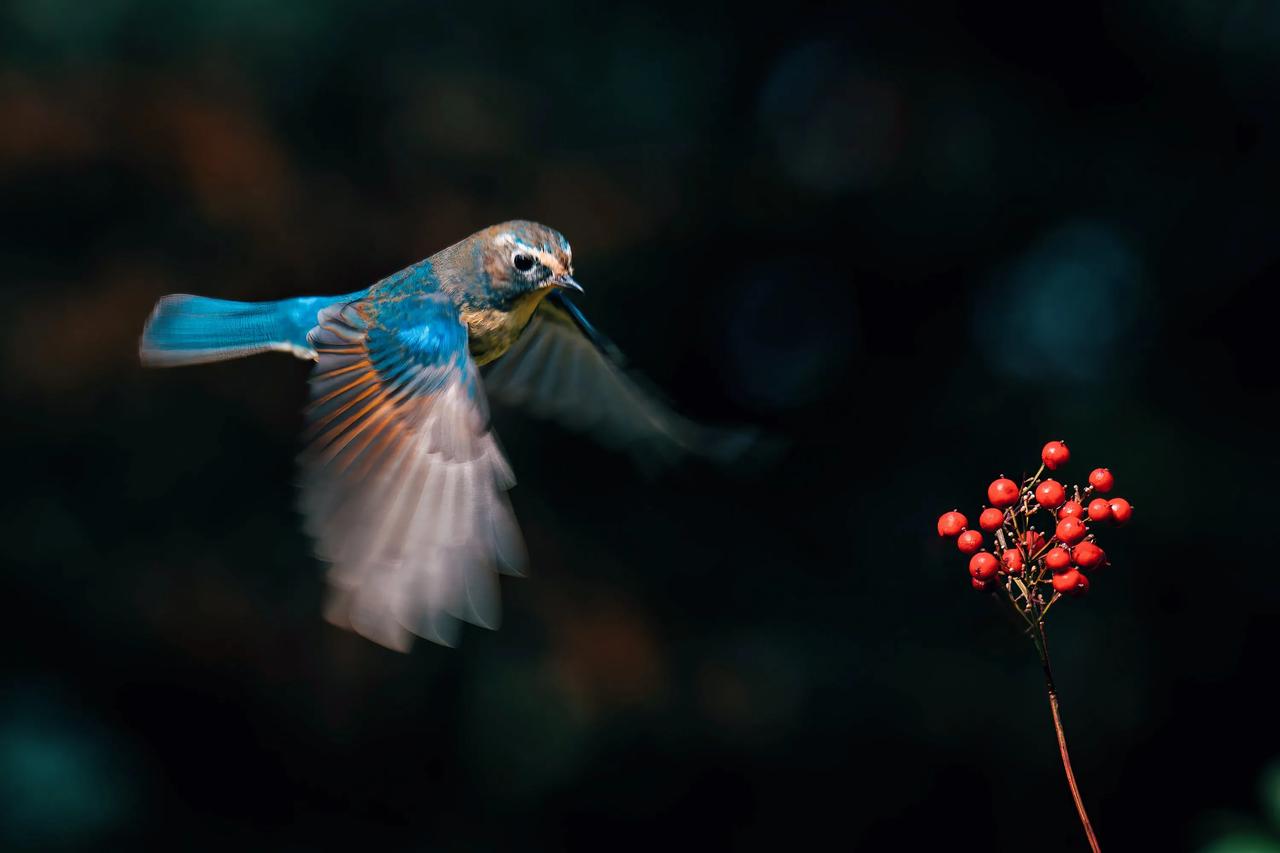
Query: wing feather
<point>562,369</point>
<point>404,484</point>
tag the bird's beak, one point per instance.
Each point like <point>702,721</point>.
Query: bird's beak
<point>566,282</point>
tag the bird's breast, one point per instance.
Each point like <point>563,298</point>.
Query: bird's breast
<point>492,331</point>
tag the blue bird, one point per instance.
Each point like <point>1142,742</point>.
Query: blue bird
<point>404,484</point>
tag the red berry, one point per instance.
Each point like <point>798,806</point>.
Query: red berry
<point>979,585</point>
<point>1032,542</point>
<point>1099,510</point>
<point>1101,479</point>
<point>1088,556</point>
<point>1002,492</point>
<point>1071,530</point>
<point>1071,582</point>
<point>1121,511</point>
<point>1050,494</point>
<point>1054,455</point>
<point>1012,560</point>
<point>969,541</point>
<point>1058,560</point>
<point>983,566</point>
<point>1069,509</point>
<point>991,519</point>
<point>952,523</point>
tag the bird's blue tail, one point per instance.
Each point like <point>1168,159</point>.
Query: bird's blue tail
<point>186,329</point>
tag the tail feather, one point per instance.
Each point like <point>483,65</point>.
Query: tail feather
<point>185,329</point>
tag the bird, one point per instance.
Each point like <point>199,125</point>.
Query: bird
<point>404,484</point>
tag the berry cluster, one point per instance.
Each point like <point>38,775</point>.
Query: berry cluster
<point>1035,571</point>
<point>1022,560</point>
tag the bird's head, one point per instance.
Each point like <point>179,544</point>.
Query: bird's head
<point>506,264</point>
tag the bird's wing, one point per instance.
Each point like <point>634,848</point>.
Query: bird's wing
<point>404,483</point>
<point>562,368</point>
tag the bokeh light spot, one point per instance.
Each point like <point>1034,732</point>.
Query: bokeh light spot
<point>61,779</point>
<point>791,335</point>
<point>1061,309</point>
<point>832,126</point>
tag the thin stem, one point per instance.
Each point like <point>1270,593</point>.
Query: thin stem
<point>1042,646</point>
<point>1013,602</point>
<point>1044,549</point>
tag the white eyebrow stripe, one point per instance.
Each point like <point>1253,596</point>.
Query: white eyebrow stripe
<point>547,259</point>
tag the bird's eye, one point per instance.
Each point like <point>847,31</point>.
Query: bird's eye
<point>523,262</point>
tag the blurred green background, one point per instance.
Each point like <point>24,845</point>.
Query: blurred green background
<point>916,240</point>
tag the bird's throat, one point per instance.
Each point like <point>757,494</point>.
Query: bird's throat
<point>492,331</point>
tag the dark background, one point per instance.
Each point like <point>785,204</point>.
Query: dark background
<point>913,240</point>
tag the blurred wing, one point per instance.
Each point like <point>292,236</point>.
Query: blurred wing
<point>404,484</point>
<point>562,368</point>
